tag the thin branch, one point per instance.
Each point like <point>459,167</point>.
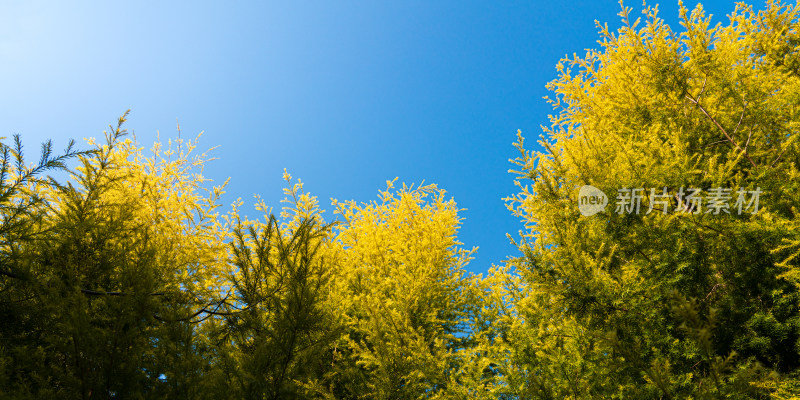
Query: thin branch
<point>645,256</point>
<point>10,274</point>
<point>715,143</point>
<point>713,289</point>
<point>748,140</point>
<point>703,89</point>
<point>724,132</point>
<point>103,293</point>
<point>744,108</point>
<point>779,157</point>
<point>205,310</point>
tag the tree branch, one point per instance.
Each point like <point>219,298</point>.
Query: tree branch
<point>103,293</point>
<point>779,157</point>
<point>724,132</point>
<point>10,274</point>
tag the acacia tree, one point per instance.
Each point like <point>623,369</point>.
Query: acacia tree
<point>665,303</point>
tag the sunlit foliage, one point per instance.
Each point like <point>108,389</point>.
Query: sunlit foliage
<point>666,305</point>
<point>130,279</point>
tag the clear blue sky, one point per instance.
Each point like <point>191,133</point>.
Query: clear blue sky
<point>345,95</point>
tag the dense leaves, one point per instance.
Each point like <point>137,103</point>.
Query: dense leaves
<point>676,304</point>
<point>127,281</point>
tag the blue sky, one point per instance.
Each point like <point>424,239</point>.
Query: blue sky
<point>345,95</point>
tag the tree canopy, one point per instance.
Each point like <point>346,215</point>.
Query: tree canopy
<point>130,279</point>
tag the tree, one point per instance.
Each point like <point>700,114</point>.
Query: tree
<point>22,209</point>
<point>676,304</point>
<point>280,321</point>
<point>126,282</point>
<point>403,296</point>
<point>104,268</point>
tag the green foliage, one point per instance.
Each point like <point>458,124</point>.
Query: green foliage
<point>126,282</point>
<point>666,305</point>
<point>87,297</point>
<point>405,299</point>
<point>278,322</point>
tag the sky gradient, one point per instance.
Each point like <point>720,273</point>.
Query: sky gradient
<point>345,95</point>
